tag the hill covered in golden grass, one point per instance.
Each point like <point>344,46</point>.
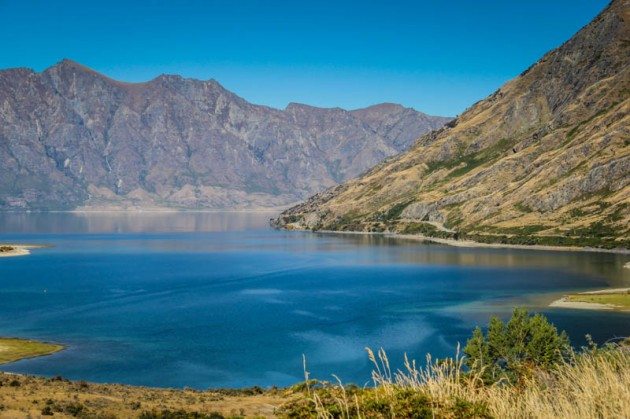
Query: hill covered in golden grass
<point>543,160</point>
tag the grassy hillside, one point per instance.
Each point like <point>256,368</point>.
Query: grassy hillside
<point>543,160</point>
<point>35,397</point>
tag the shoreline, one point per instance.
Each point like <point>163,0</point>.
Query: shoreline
<point>566,300</point>
<point>164,210</point>
<point>88,210</point>
<point>473,244</point>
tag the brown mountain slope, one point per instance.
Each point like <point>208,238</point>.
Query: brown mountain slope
<point>71,137</point>
<point>545,159</point>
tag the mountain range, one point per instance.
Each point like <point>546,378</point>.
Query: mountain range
<point>543,160</point>
<point>73,138</point>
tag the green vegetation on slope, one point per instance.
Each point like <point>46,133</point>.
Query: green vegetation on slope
<point>464,163</point>
<point>597,235</point>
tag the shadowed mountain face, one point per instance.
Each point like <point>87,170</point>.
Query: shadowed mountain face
<point>546,155</point>
<point>70,137</point>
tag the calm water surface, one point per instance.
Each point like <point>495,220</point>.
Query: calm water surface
<point>221,300</point>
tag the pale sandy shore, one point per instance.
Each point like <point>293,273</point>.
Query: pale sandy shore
<point>565,303</point>
<point>470,243</point>
<point>18,250</point>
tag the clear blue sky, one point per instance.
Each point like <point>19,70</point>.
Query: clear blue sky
<point>436,56</point>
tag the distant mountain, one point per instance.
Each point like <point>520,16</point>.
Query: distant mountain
<point>545,159</point>
<point>71,137</point>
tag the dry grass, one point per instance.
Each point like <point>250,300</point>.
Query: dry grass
<point>595,384</point>
<point>27,397</point>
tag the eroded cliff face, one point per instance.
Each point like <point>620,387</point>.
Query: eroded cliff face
<point>546,156</point>
<point>70,137</point>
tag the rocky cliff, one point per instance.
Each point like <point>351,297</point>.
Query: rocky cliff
<point>71,137</point>
<point>543,160</point>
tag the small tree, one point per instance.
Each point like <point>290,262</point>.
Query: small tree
<point>509,350</point>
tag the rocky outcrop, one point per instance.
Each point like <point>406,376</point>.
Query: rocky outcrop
<point>71,137</point>
<point>546,155</point>
<point>421,211</point>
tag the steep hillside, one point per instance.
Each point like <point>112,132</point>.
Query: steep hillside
<point>545,159</point>
<point>70,137</point>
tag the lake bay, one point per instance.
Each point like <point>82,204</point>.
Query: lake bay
<point>222,300</point>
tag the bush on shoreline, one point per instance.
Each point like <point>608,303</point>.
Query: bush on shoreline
<point>524,368</point>
<point>510,351</point>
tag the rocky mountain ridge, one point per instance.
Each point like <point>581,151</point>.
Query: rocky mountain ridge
<point>73,138</point>
<point>543,160</point>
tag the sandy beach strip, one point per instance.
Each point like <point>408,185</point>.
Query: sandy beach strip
<point>564,303</point>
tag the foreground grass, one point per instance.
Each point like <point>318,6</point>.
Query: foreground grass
<point>13,349</point>
<point>618,300</point>
<point>593,384</point>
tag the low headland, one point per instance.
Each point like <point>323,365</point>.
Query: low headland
<point>609,299</point>
<point>14,349</point>
<point>522,368</point>
<point>9,250</point>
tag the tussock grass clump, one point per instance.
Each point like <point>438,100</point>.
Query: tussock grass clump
<point>594,382</point>
<point>595,385</point>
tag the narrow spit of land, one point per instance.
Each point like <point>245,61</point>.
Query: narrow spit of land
<point>610,299</point>
<point>9,250</point>
<point>14,349</point>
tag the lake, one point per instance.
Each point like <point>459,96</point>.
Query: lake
<point>222,300</point>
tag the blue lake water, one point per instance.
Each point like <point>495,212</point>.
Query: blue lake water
<point>221,300</point>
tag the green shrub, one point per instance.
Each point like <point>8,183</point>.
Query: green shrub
<point>465,409</point>
<point>394,212</point>
<point>507,351</point>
